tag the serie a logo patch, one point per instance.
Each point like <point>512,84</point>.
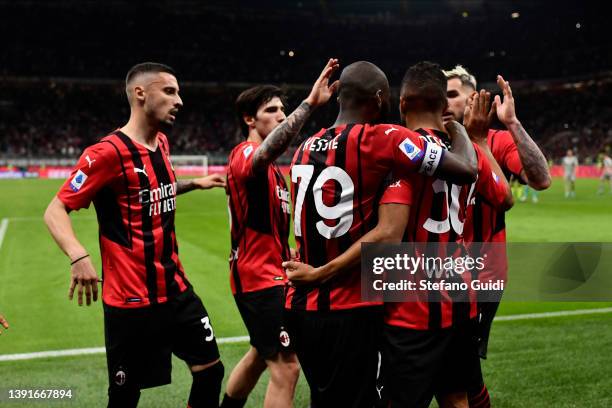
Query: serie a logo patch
<point>77,181</point>
<point>410,149</point>
<point>247,151</point>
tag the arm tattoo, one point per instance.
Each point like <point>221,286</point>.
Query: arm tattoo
<point>279,139</point>
<point>532,159</point>
<point>184,186</point>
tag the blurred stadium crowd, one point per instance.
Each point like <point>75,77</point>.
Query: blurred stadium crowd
<point>60,89</point>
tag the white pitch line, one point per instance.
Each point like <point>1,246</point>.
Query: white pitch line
<point>3,227</point>
<point>92,350</point>
<point>527,316</point>
<point>242,339</point>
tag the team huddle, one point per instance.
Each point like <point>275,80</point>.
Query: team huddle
<point>439,177</point>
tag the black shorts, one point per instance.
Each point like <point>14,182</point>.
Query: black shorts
<point>419,364</point>
<point>263,313</point>
<point>140,342</point>
<point>338,352</point>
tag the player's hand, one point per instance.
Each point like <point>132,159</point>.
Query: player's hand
<point>505,108</point>
<point>211,181</point>
<point>453,128</point>
<point>294,254</point>
<point>478,116</point>
<point>3,322</point>
<point>85,279</point>
<point>322,90</point>
<point>300,273</point>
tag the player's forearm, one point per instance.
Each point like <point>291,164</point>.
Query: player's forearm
<point>279,139</point>
<point>351,258</point>
<point>461,165</point>
<point>185,186</point>
<point>508,199</point>
<point>392,220</point>
<point>59,225</point>
<point>532,159</point>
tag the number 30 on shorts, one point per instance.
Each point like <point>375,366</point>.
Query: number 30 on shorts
<point>342,211</point>
<point>206,322</point>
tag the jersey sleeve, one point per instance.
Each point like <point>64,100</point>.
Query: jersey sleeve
<point>488,184</point>
<point>506,153</point>
<point>95,169</point>
<point>412,154</point>
<point>398,191</point>
<point>242,162</point>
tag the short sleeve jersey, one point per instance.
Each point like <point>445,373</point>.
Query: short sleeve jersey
<point>440,212</point>
<point>338,176</point>
<point>259,209</point>
<point>134,193</point>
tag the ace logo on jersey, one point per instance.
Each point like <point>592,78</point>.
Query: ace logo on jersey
<point>77,181</point>
<point>410,149</point>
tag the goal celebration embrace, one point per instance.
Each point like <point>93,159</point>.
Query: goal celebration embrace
<point>310,205</point>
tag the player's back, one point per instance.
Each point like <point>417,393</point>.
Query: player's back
<point>337,180</point>
<point>437,217</point>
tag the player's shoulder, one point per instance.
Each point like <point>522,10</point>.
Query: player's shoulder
<point>388,129</point>
<point>107,148</point>
<point>498,137</point>
<point>243,150</point>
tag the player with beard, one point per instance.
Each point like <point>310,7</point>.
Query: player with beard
<point>518,156</point>
<point>260,210</point>
<point>150,308</point>
<point>338,176</point>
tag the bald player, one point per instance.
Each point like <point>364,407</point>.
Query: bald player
<point>150,308</point>
<point>338,176</point>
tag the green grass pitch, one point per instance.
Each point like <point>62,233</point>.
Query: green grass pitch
<point>560,361</point>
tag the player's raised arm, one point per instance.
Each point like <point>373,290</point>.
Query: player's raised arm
<point>392,221</point>
<point>279,139</point>
<point>535,167</point>
<point>83,273</point>
<point>460,164</point>
<point>477,120</point>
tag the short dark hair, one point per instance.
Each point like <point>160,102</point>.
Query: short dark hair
<point>424,85</point>
<point>146,67</point>
<point>249,101</point>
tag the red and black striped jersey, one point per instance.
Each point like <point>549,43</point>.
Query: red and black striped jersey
<point>490,224</point>
<point>439,214</point>
<point>134,192</point>
<point>338,176</point>
<point>259,220</point>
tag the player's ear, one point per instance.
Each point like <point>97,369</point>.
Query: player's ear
<point>402,105</point>
<point>138,93</point>
<point>249,120</point>
<point>379,98</point>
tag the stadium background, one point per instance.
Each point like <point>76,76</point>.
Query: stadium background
<point>61,70</point>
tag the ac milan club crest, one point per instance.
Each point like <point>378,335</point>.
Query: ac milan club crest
<point>120,377</point>
<point>284,338</point>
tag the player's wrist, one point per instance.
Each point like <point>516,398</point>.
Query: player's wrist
<point>322,272</point>
<point>513,124</point>
<point>78,259</point>
<point>76,252</point>
<point>309,103</point>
